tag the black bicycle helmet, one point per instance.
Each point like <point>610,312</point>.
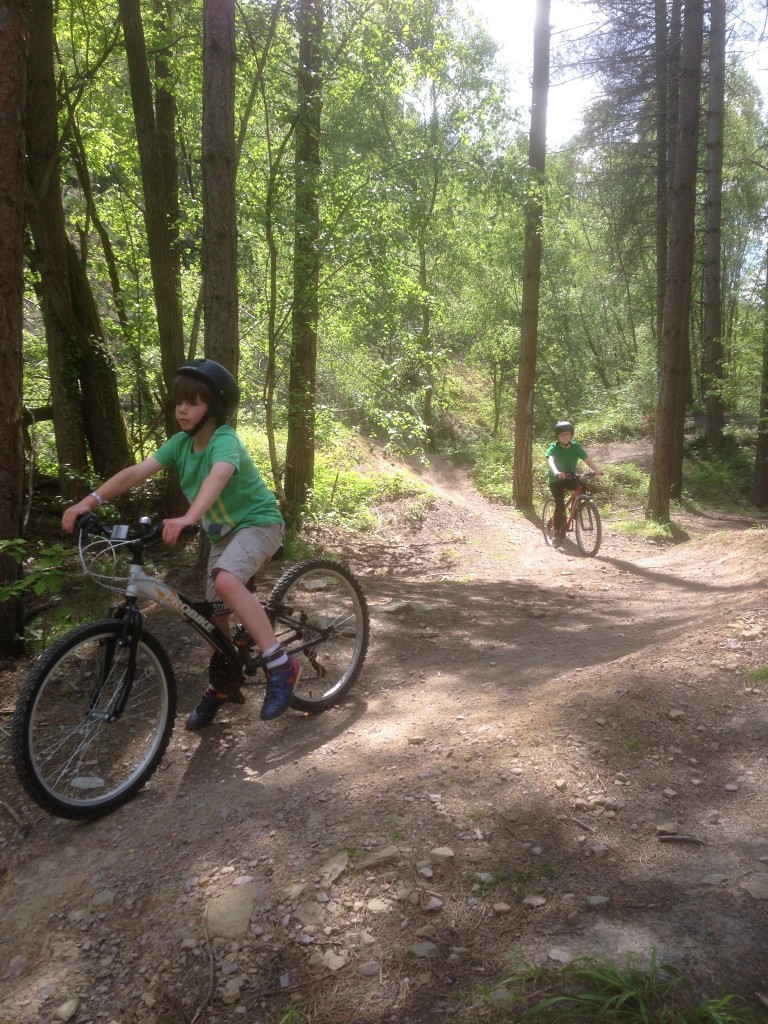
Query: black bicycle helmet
<point>221,383</point>
<point>563,425</point>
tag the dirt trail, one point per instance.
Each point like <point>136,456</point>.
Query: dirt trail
<point>541,715</point>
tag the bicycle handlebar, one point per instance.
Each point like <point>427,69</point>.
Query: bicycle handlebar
<point>580,477</point>
<point>90,524</point>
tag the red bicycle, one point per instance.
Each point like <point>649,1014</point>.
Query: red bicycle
<point>581,516</point>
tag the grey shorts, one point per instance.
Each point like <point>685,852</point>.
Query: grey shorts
<point>243,553</point>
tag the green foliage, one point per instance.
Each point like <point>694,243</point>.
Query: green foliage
<point>597,989</point>
<point>491,468</point>
<point>44,573</point>
<point>719,478</point>
<point>639,526</point>
<point>620,419</point>
<point>344,497</point>
<point>291,1016</point>
<point>346,491</point>
<point>624,486</point>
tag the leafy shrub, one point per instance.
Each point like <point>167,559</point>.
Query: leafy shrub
<point>489,462</point>
<point>720,477</point>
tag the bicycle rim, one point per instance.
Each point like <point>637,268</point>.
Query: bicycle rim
<point>321,617</point>
<point>70,758</point>
<point>588,528</point>
<point>548,521</point>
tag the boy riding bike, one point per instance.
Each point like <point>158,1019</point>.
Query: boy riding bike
<point>228,496</point>
<point>563,456</point>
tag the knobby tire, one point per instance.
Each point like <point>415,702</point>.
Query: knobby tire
<point>321,616</point>
<point>69,757</point>
<point>589,530</point>
<point>548,521</point>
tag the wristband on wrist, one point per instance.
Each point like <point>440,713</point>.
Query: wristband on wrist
<point>97,498</point>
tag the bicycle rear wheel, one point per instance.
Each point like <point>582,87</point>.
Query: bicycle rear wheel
<point>548,521</point>
<point>321,616</point>
<point>589,530</point>
<point>70,757</point>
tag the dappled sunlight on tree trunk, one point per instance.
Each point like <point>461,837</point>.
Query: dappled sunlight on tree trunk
<point>667,451</point>
<point>526,381</point>
<point>300,451</point>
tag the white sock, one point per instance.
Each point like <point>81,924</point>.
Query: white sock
<point>275,657</point>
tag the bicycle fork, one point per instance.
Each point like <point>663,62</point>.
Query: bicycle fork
<point>130,619</point>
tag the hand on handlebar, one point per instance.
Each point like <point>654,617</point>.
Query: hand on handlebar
<point>173,528</point>
<point>73,514</point>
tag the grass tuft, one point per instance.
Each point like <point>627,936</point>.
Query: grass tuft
<point>757,676</point>
<point>590,990</point>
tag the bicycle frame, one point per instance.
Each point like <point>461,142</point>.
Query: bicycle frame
<point>237,650</point>
<point>199,614</point>
<point>570,505</point>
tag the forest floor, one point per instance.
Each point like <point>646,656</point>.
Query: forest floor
<point>528,725</point>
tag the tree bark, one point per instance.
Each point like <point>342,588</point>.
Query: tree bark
<point>158,208</point>
<point>275,156</point>
<point>666,466</point>
<point>713,309</point>
<point>300,448</point>
<point>662,154</point>
<point>537,151</point>
<point>14,37</point>
<point>79,362</point>
<point>220,293</point>
<point>759,493</point>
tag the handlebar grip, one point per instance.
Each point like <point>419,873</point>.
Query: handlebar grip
<point>89,523</point>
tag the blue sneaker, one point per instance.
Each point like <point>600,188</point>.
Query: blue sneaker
<point>205,712</point>
<point>280,684</point>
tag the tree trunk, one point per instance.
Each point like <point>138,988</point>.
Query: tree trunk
<point>666,466</point>
<point>662,153</point>
<point>219,173</point>
<point>300,448</point>
<point>158,209</point>
<point>713,310</point>
<point>273,330</point>
<point>537,151</point>
<point>14,16</point>
<point>673,106</point>
<point>275,155</point>
<point>79,363</point>
<point>759,493</point>
<point>427,413</point>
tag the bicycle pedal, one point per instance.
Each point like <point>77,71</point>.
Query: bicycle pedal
<point>237,696</point>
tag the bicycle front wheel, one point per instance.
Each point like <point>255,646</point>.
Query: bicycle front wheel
<point>548,521</point>
<point>72,756</point>
<point>589,530</point>
<point>321,617</point>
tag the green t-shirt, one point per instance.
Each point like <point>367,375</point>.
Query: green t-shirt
<point>245,500</point>
<point>566,459</point>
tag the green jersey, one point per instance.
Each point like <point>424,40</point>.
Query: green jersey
<point>245,499</point>
<point>566,459</point>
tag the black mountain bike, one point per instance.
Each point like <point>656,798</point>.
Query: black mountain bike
<point>96,713</point>
<point>581,515</point>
